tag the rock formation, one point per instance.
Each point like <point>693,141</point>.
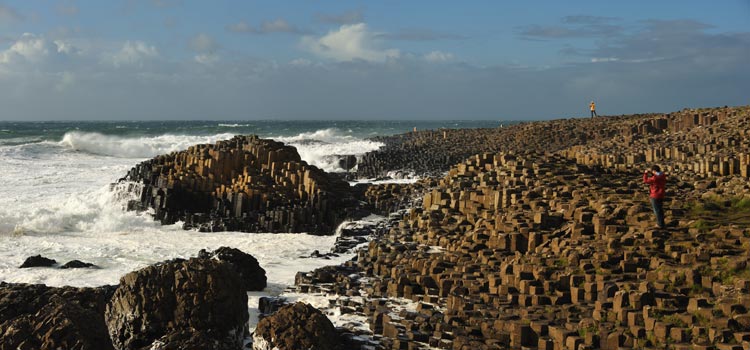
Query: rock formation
<point>704,141</point>
<point>296,326</point>
<point>199,301</point>
<point>41,317</point>
<point>252,275</point>
<point>37,261</point>
<point>548,242</point>
<point>243,184</point>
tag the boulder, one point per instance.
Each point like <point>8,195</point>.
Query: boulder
<point>37,261</point>
<point>200,297</point>
<point>77,264</point>
<point>253,276</point>
<point>41,317</point>
<point>296,326</point>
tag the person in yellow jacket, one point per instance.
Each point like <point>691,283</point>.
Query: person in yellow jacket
<point>592,106</point>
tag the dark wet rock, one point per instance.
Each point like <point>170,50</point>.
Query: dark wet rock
<point>41,317</point>
<point>253,276</point>
<point>296,326</point>
<point>37,261</point>
<point>77,264</point>
<point>269,305</point>
<point>204,297</point>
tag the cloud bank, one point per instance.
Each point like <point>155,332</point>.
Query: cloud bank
<point>353,72</point>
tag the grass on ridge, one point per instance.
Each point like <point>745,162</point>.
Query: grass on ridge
<point>709,213</point>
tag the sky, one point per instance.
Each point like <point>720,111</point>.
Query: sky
<point>368,60</point>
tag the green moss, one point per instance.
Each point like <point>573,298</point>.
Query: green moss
<point>742,204</point>
<point>728,276</point>
<point>700,319</point>
<point>702,225</point>
<point>675,321</point>
<point>594,329</point>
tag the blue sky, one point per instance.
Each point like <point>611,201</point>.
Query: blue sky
<point>502,60</point>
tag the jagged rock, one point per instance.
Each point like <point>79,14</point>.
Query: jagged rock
<point>204,297</point>
<point>242,184</point>
<point>37,261</point>
<point>296,326</point>
<point>253,276</point>
<point>77,264</point>
<point>41,317</point>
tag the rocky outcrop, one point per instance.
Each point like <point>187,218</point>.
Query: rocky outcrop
<point>548,241</point>
<point>252,275</point>
<point>77,264</point>
<point>199,301</point>
<point>242,184</point>
<point>703,141</point>
<point>37,261</point>
<point>41,317</point>
<point>296,326</point>
<point>700,143</point>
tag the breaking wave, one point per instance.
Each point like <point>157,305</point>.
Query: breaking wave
<point>325,148</point>
<point>133,147</point>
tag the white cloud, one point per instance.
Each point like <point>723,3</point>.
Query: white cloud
<point>604,59</point>
<point>134,53</point>
<point>348,43</point>
<point>65,47</point>
<point>438,56</point>
<point>206,58</point>
<point>28,47</point>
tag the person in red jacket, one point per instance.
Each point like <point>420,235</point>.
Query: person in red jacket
<point>657,181</point>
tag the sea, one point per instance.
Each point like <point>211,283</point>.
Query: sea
<point>58,199</point>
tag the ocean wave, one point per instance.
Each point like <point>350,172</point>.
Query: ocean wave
<point>324,148</point>
<point>17,141</point>
<point>321,148</point>
<point>133,147</point>
<point>233,125</point>
<point>327,156</point>
<point>330,135</point>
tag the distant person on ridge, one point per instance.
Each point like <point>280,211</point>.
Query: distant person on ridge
<point>657,181</point>
<point>592,106</point>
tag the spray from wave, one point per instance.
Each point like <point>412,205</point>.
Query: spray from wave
<point>133,147</point>
<point>325,148</point>
<point>99,210</point>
